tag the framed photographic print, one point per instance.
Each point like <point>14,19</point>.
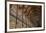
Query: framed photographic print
<point>25,16</point>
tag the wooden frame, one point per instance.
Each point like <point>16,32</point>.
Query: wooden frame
<point>25,2</point>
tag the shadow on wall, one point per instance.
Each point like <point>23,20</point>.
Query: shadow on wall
<point>12,32</point>
<point>12,0</point>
